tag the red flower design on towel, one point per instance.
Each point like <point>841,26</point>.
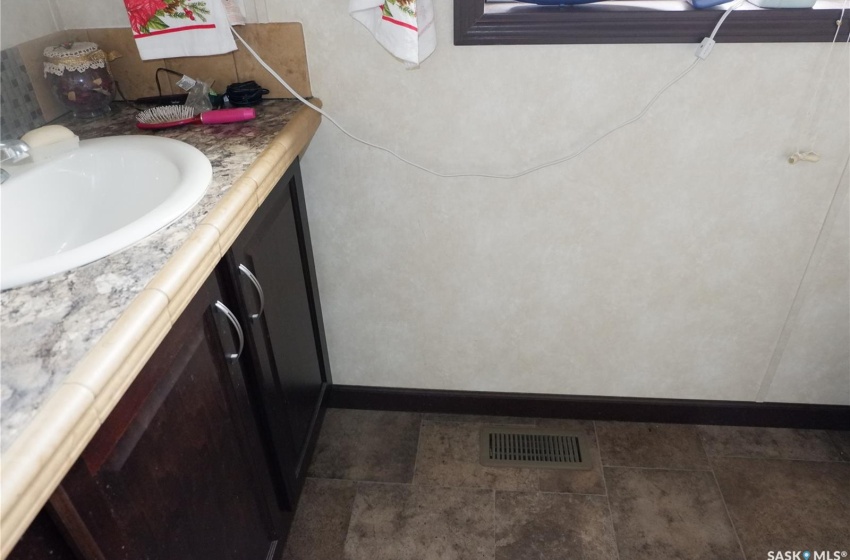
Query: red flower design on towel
<point>141,12</point>
<point>147,16</point>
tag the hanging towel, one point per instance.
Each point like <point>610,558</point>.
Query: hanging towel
<point>403,27</point>
<point>171,28</point>
<point>235,11</point>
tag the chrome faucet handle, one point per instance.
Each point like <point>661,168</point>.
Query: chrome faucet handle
<point>13,151</point>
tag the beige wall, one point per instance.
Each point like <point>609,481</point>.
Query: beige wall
<point>662,263</point>
<point>23,20</point>
<point>817,347</point>
<point>668,261</point>
<point>88,14</point>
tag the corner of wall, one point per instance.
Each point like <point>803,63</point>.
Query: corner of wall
<point>282,47</point>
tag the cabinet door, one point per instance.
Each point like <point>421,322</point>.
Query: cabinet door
<point>44,539</point>
<point>271,263</point>
<point>173,472</point>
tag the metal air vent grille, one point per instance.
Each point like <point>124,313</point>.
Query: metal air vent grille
<point>530,447</point>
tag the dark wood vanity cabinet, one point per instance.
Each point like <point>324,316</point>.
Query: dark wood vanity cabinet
<point>205,455</point>
<point>271,264</point>
<point>176,470</point>
<point>43,540</point>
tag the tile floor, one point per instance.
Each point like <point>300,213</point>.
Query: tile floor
<point>398,486</point>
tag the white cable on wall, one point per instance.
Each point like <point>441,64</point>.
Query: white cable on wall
<point>702,52</point>
<point>805,286</point>
<point>815,101</point>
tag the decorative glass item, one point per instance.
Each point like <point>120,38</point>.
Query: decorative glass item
<point>78,74</point>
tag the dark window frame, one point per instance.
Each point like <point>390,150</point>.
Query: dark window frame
<point>598,23</point>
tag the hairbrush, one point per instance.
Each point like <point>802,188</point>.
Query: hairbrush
<point>176,115</point>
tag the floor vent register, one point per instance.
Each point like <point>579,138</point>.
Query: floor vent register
<point>533,448</point>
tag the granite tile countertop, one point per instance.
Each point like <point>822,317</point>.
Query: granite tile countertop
<point>46,328</point>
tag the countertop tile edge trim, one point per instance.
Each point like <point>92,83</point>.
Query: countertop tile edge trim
<point>233,212</point>
<point>109,368</point>
<point>182,276</point>
<point>59,436</point>
<point>29,478</point>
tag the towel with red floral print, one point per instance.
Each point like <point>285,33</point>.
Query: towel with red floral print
<point>404,27</point>
<point>150,16</point>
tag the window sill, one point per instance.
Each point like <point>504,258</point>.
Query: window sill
<point>660,21</point>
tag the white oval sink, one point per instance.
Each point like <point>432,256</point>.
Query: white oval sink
<point>93,201</point>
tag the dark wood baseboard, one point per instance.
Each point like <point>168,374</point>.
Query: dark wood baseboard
<point>738,413</point>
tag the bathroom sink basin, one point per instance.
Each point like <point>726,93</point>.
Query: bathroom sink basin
<point>94,201</point>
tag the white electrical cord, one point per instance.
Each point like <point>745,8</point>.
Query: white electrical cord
<point>814,101</point>
<point>702,52</point>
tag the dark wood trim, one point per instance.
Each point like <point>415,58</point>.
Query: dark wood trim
<point>300,208</point>
<point>595,24</point>
<point>736,413</point>
<point>70,523</point>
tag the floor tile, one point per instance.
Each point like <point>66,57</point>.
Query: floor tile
<point>478,419</point>
<point>321,521</point>
<point>841,439</point>
<point>674,515</point>
<point>664,446</point>
<point>786,505</point>
<point>574,480</point>
<point>536,526</point>
<point>366,445</point>
<point>396,522</point>
<point>448,456</point>
<point>779,443</point>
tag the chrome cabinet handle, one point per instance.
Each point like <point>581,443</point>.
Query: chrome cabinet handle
<point>245,272</point>
<point>232,318</point>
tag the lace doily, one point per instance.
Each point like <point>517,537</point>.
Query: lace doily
<point>76,57</point>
